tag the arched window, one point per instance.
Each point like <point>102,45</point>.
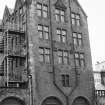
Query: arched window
<point>12,101</point>
<point>80,101</point>
<point>51,101</point>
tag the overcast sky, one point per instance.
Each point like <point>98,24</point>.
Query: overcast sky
<point>95,9</point>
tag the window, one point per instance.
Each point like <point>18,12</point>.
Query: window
<point>60,57</point>
<point>77,39</point>
<point>22,39</point>
<point>22,61</point>
<point>61,35</point>
<point>63,57</point>
<point>21,11</point>
<point>16,62</point>
<point>22,19</point>
<point>100,93</point>
<point>23,26</point>
<point>82,62</point>
<point>42,10</point>
<point>79,59</point>
<point>44,55</point>
<point>60,15</point>
<point>39,9</point>
<point>43,31</point>
<point>103,93</point>
<point>45,11</point>
<point>65,80</point>
<point>2,69</point>
<point>75,19</point>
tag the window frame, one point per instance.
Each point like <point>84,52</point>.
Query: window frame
<point>62,56</point>
<point>79,59</point>
<point>43,32</point>
<point>60,35</point>
<point>45,11</point>
<point>44,55</point>
<point>74,20</point>
<point>65,79</point>
<point>77,39</point>
<point>59,15</point>
<point>42,10</point>
<point>39,9</point>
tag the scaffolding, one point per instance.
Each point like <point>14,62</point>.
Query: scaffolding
<point>13,67</point>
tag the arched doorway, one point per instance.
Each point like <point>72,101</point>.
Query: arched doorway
<point>12,101</point>
<point>51,101</point>
<point>80,101</point>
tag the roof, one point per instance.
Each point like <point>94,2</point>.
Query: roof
<point>100,63</point>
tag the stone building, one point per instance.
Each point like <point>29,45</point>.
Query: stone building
<point>45,54</point>
<point>99,80</point>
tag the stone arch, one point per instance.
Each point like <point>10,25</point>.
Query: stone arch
<point>80,101</point>
<point>51,100</point>
<point>12,101</point>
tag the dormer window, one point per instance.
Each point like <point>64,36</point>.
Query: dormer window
<point>60,15</point>
<point>60,9</point>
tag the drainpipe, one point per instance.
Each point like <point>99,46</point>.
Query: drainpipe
<point>30,90</point>
<point>73,48</point>
<point>29,76</point>
<point>67,101</point>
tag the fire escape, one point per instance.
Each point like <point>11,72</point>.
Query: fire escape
<point>13,56</point>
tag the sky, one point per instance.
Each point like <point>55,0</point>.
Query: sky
<point>95,10</point>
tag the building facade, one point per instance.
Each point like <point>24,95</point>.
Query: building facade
<point>45,54</point>
<point>99,78</point>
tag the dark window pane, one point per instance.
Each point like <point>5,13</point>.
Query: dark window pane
<point>67,80</point>
<point>63,80</point>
